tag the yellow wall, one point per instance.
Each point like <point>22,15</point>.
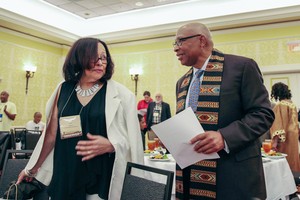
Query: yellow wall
<point>15,51</point>
<point>161,68</point>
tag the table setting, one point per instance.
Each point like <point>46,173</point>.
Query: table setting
<point>278,176</point>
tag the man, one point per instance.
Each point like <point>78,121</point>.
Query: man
<point>143,105</point>
<point>157,112</point>
<point>8,112</point>
<point>234,110</point>
<point>36,123</point>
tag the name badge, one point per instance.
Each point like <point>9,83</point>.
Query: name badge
<point>70,127</point>
<point>156,113</point>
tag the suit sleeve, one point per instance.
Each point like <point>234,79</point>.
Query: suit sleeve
<point>168,111</point>
<point>248,112</point>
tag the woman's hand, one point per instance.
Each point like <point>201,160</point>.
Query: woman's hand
<point>23,176</point>
<point>95,145</point>
<point>275,143</point>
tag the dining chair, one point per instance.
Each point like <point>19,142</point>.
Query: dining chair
<point>11,168</point>
<point>136,187</point>
<point>5,143</point>
<point>19,134</point>
<point>31,139</point>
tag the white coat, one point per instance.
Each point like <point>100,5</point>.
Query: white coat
<point>123,132</point>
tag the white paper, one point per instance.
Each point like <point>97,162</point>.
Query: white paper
<point>176,133</point>
<point>142,111</point>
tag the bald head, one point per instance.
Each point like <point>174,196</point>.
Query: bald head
<point>195,28</point>
<point>37,117</point>
<point>4,96</point>
<point>158,97</point>
<point>193,44</point>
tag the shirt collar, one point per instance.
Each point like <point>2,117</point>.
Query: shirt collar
<point>203,66</point>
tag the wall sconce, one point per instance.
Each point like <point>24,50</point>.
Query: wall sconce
<point>29,74</point>
<point>294,46</point>
<point>134,73</point>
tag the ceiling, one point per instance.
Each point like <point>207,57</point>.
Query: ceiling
<point>115,21</point>
<point>94,8</point>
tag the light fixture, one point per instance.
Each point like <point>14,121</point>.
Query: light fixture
<point>134,73</point>
<point>294,46</point>
<point>30,69</point>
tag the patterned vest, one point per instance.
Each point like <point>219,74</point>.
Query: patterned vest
<point>198,181</point>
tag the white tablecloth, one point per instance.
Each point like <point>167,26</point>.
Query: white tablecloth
<point>279,178</point>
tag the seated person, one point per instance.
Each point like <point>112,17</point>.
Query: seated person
<point>35,124</point>
<point>142,125</point>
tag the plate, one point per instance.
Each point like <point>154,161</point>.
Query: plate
<point>162,160</point>
<point>265,160</point>
<point>283,155</point>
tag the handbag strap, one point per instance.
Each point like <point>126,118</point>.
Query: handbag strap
<point>10,188</point>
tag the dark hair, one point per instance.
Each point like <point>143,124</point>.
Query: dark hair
<point>280,91</point>
<point>140,117</point>
<point>147,93</point>
<point>79,58</point>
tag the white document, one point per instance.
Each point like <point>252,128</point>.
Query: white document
<point>176,133</point>
<point>142,111</point>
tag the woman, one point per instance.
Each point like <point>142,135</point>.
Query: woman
<point>284,131</point>
<point>92,129</point>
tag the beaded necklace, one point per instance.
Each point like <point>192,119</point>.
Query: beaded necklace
<point>88,92</point>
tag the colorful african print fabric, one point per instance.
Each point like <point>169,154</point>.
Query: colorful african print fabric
<point>198,181</point>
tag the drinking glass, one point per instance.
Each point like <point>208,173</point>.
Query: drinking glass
<point>151,145</point>
<point>267,146</point>
<point>156,142</point>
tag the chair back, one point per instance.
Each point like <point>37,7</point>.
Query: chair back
<point>11,169</point>
<point>31,139</point>
<point>19,133</point>
<point>5,143</point>
<point>135,187</point>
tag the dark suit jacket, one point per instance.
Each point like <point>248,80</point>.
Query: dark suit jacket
<point>245,114</point>
<point>165,113</point>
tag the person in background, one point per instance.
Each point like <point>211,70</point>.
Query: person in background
<point>158,111</point>
<point>142,127</point>
<point>266,135</point>
<point>233,108</point>
<point>8,112</point>
<point>143,105</point>
<point>92,130</point>
<point>285,129</point>
<point>35,124</point>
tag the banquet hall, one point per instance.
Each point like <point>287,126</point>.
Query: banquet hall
<point>35,37</point>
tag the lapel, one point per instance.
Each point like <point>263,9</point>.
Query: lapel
<point>112,102</point>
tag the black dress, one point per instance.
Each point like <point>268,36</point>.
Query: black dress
<point>73,179</point>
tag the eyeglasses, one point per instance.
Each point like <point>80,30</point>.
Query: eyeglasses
<point>179,42</point>
<point>103,59</point>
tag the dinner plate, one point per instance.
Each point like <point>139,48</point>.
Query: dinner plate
<point>161,160</point>
<point>265,160</point>
<point>283,155</point>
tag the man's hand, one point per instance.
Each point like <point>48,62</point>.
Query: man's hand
<point>208,142</point>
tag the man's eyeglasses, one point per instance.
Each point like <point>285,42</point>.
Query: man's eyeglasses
<point>103,59</point>
<point>179,42</point>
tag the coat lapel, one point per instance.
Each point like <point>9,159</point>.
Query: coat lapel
<point>112,102</point>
